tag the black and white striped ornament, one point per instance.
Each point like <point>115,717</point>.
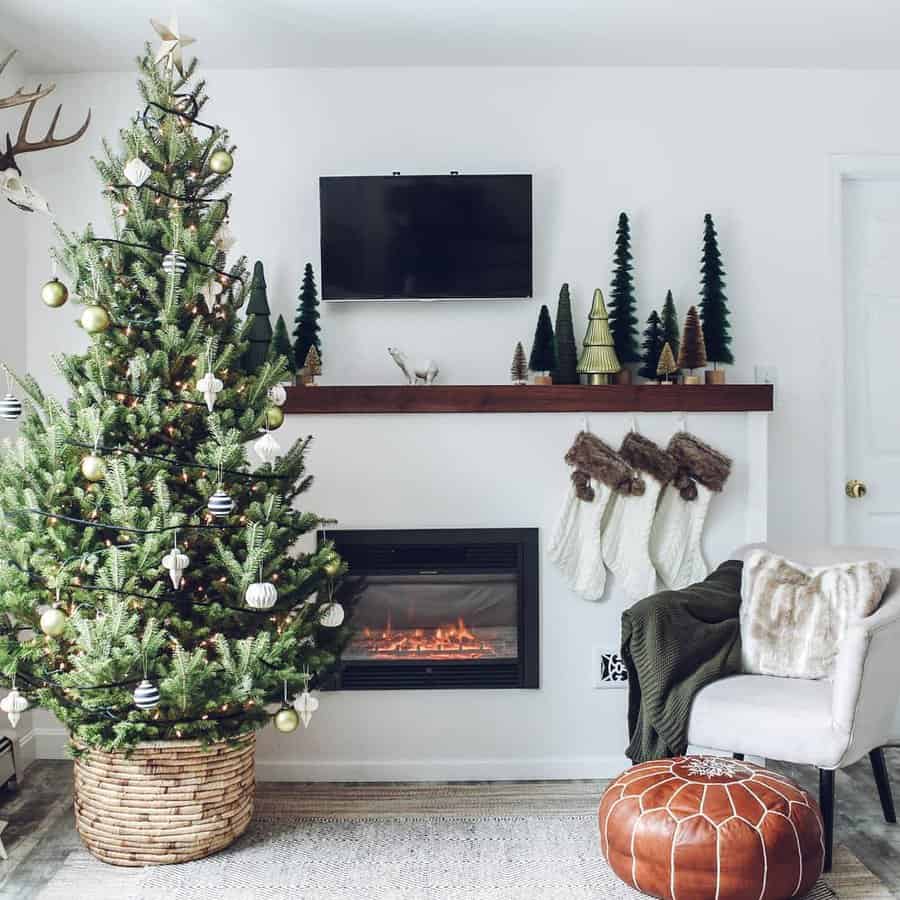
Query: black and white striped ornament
<point>174,263</point>
<point>220,504</point>
<point>146,695</point>
<point>10,407</point>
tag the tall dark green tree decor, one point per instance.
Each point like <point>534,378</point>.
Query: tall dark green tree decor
<point>281,341</point>
<point>622,304</point>
<point>651,346</point>
<point>151,583</point>
<point>669,323</point>
<point>713,302</point>
<point>566,371</point>
<point>306,330</point>
<point>259,333</point>
<point>543,350</point>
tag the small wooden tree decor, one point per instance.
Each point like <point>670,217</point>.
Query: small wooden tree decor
<point>598,354</point>
<point>692,352</point>
<point>518,371</point>
<point>543,351</point>
<point>312,366</point>
<point>666,365</point>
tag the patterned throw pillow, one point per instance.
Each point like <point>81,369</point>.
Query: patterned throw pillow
<point>794,617</point>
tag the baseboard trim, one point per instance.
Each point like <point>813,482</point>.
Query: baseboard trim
<point>50,743</point>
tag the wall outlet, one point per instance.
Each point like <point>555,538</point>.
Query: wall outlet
<point>609,670</point>
<point>765,374</point>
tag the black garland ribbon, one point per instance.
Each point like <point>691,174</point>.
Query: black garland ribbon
<point>127,529</point>
<point>190,259</point>
<point>171,401</point>
<point>183,198</point>
<point>178,464</point>
<point>190,114</point>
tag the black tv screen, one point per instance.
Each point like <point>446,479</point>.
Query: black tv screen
<point>426,237</point>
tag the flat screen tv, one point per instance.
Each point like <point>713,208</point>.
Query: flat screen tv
<point>426,237</point>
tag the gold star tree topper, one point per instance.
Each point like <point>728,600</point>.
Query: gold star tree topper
<point>172,43</point>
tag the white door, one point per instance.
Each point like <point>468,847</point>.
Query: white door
<point>871,265</point>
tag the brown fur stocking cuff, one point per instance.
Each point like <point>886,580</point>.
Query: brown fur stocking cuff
<point>644,455</point>
<point>595,459</point>
<point>697,461</point>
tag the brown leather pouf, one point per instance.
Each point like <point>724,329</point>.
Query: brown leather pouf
<point>711,828</point>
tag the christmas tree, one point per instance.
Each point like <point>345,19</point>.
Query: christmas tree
<point>669,323</point>
<point>622,305</point>
<point>150,588</point>
<point>666,365</point>
<point>543,350</point>
<point>652,346</point>
<point>713,302</point>
<point>518,370</point>
<point>598,355</point>
<point>692,354</point>
<point>566,371</point>
<point>306,332</point>
<point>281,342</point>
<point>259,333</point>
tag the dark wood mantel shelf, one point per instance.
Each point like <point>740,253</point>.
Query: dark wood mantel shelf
<point>510,398</point>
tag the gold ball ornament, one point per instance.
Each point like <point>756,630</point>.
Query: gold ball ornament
<point>286,720</point>
<point>221,162</point>
<point>274,417</point>
<point>53,622</point>
<point>332,566</point>
<point>54,293</point>
<point>94,319</point>
<point>93,468</point>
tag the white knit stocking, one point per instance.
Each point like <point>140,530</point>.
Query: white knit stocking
<point>677,535</point>
<point>575,546</point>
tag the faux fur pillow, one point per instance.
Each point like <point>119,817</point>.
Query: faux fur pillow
<point>793,617</point>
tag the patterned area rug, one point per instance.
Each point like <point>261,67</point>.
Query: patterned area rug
<point>385,858</point>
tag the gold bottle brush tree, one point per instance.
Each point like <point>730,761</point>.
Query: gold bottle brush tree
<point>598,361</point>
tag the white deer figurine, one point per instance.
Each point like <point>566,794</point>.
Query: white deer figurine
<point>425,371</point>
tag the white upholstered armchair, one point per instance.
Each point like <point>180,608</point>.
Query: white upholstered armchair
<point>828,724</point>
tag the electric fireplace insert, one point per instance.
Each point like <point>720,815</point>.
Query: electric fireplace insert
<point>441,608</point>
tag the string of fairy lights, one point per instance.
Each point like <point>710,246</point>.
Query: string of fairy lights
<point>260,597</point>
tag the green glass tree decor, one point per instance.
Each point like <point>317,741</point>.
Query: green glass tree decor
<point>652,347</point>
<point>713,302</point>
<point>669,323</point>
<point>259,334</point>
<point>151,587</point>
<point>543,351</point>
<point>598,359</point>
<point>306,322</point>
<point>566,371</point>
<point>622,304</point>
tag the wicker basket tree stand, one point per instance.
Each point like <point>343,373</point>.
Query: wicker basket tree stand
<point>165,802</point>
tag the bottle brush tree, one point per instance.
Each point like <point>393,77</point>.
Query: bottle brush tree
<point>518,370</point>
<point>669,323</point>
<point>652,346</point>
<point>566,371</point>
<point>306,322</point>
<point>692,353</point>
<point>281,341</point>
<point>622,303</point>
<point>543,350</point>
<point>150,586</point>
<point>713,302</point>
<point>666,367</point>
<point>259,333</point>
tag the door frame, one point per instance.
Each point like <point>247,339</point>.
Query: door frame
<point>843,168</point>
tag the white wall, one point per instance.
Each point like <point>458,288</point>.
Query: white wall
<point>751,147</point>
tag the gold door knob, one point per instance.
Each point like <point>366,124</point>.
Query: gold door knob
<point>855,489</point>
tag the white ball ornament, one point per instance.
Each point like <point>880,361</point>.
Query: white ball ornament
<point>305,705</point>
<point>176,562</point>
<point>332,615</point>
<point>278,394</point>
<point>10,407</point>
<point>146,695</point>
<point>261,595</point>
<point>220,504</point>
<point>267,448</point>
<point>136,171</point>
<point>286,720</point>
<point>93,467</point>
<point>224,238</point>
<point>174,264</point>
<point>14,704</point>
<point>210,387</point>
<point>53,622</point>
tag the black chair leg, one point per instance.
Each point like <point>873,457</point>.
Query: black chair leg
<point>738,756</point>
<point>882,779</point>
<point>826,802</point>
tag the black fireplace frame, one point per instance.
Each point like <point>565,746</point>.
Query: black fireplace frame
<point>411,553</point>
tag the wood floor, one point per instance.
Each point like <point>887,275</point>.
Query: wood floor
<point>41,831</point>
